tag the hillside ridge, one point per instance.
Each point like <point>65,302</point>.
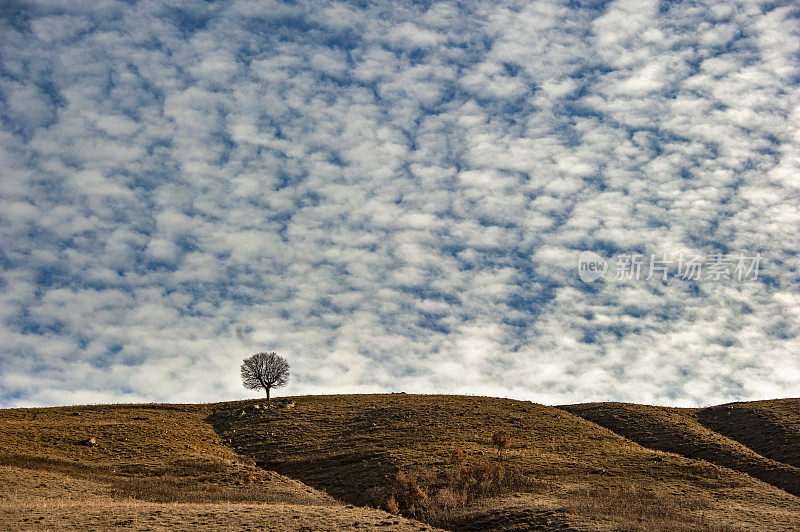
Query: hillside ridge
<point>729,435</point>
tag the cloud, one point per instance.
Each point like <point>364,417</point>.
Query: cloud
<point>395,199</point>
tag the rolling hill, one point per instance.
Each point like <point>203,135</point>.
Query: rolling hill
<point>150,467</point>
<point>770,428</point>
<point>356,461</point>
<point>701,434</point>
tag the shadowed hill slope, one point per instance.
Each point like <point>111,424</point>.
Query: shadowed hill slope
<point>585,476</point>
<point>770,428</point>
<point>701,434</point>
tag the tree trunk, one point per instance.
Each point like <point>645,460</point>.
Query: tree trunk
<point>268,394</point>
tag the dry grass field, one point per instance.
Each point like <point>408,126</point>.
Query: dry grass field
<point>151,467</point>
<point>400,462</point>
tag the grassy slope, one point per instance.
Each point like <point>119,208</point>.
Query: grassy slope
<point>157,466</point>
<point>728,435</point>
<point>771,428</point>
<point>165,466</point>
<point>588,475</point>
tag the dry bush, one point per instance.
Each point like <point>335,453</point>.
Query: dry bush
<point>457,456</point>
<point>501,439</point>
<point>438,498</point>
<point>489,480</point>
<point>410,490</point>
<point>446,505</point>
<point>391,505</point>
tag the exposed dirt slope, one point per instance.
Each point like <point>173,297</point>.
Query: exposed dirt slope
<point>586,476</point>
<point>686,432</point>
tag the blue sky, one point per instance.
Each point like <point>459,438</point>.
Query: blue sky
<point>394,196</point>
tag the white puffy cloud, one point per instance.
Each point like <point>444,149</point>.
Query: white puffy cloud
<point>395,198</point>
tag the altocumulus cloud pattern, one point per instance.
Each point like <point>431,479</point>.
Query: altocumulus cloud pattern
<point>394,195</point>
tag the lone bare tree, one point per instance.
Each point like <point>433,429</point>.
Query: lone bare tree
<point>264,370</point>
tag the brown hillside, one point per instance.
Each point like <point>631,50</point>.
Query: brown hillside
<point>771,428</point>
<point>680,431</point>
<point>184,467</point>
<point>152,467</point>
<point>580,475</point>
<point>155,452</point>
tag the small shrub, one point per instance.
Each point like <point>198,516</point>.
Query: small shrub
<point>457,456</point>
<point>437,498</point>
<point>445,505</point>
<point>501,439</point>
<point>391,505</point>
